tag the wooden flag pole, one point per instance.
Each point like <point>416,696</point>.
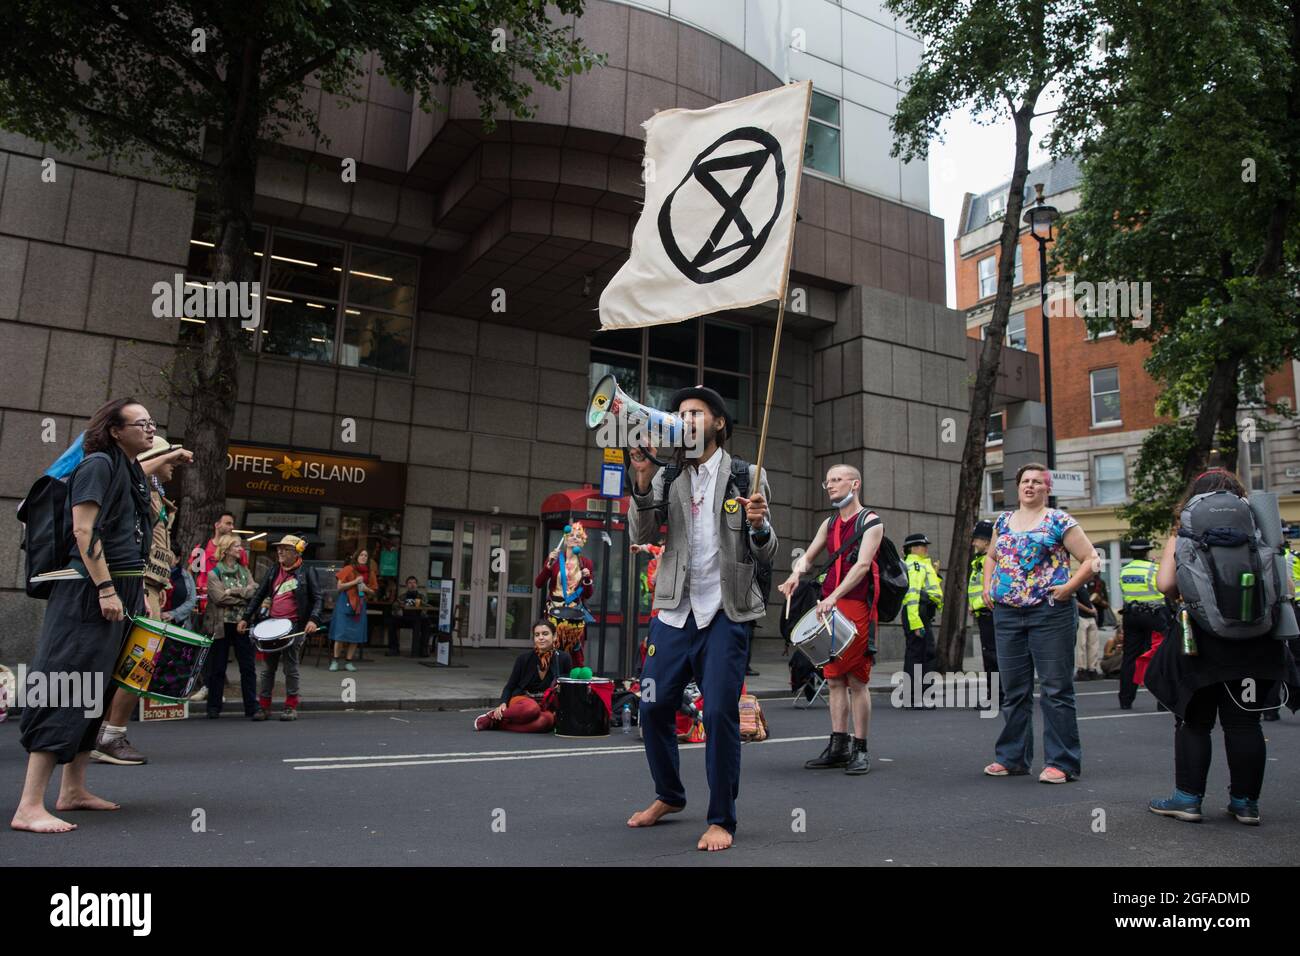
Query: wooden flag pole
<point>771,384</point>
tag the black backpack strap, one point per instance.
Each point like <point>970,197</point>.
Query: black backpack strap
<point>859,529</point>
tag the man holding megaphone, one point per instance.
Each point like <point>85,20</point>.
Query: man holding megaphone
<point>708,594</point>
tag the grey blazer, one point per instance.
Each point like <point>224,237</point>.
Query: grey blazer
<point>741,599</point>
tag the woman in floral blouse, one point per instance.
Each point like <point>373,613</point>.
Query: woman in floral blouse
<point>1029,586</point>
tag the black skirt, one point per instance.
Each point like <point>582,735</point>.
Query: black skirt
<point>1173,677</point>
<point>77,640</point>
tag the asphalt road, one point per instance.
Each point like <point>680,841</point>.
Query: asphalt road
<point>411,788</point>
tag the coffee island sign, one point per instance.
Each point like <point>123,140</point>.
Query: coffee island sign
<point>254,471</point>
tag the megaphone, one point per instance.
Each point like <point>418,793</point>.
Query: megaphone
<point>661,428</point>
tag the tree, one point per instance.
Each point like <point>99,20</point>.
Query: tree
<point>200,87</point>
<point>999,59</point>
<point>1190,141</point>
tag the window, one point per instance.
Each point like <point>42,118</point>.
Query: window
<point>997,206</point>
<point>198,271</point>
<point>380,312</point>
<point>1250,464</point>
<point>1019,278</point>
<point>822,149</point>
<point>1105,395</point>
<point>995,428</point>
<point>650,364</point>
<point>994,492</point>
<point>323,300</point>
<point>988,276</point>
<point>1109,480</point>
<point>1016,337</point>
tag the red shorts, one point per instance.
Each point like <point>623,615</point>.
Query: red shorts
<point>857,661</point>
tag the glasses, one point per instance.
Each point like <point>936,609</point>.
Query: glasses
<point>826,485</point>
<point>148,425</point>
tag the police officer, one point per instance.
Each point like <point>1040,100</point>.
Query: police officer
<point>924,598</point>
<point>979,543</point>
<point>1144,611</point>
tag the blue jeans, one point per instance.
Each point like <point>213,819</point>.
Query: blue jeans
<point>1038,638</point>
<point>715,657</point>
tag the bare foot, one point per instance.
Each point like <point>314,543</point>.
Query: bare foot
<point>651,814</point>
<point>85,801</point>
<point>715,838</point>
<point>39,820</point>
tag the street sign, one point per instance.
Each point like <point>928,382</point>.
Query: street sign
<point>611,481</point>
<point>1067,484</point>
<point>614,456</point>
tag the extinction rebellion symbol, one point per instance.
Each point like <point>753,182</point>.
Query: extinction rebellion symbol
<point>755,163</point>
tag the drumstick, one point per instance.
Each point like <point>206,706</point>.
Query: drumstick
<point>787,605</point>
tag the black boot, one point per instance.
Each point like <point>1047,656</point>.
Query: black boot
<point>834,757</point>
<point>859,763</point>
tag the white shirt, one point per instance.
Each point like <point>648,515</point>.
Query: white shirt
<point>703,583</point>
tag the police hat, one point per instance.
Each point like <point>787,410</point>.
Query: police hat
<point>983,529</point>
<point>1140,544</point>
<point>915,539</point>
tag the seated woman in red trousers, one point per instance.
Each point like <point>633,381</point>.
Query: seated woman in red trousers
<point>524,708</point>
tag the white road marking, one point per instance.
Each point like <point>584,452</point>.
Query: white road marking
<point>417,760</point>
<point>1153,713</point>
<point>372,761</point>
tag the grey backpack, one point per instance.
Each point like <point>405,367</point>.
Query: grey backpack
<point>1226,574</point>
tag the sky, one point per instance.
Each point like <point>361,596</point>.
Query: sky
<point>972,159</point>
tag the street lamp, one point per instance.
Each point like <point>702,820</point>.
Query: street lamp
<point>1040,218</point>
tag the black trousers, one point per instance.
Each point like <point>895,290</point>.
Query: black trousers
<point>419,625</point>
<point>1139,624</point>
<point>988,646</point>
<point>1243,739</point>
<point>215,676</point>
<point>918,655</point>
<point>76,642</point>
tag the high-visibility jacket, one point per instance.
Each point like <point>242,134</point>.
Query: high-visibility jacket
<point>1137,582</point>
<point>1295,572</point>
<point>975,583</point>
<point>921,580</point>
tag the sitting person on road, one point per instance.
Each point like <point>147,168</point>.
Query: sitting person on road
<point>1112,658</point>
<point>525,707</point>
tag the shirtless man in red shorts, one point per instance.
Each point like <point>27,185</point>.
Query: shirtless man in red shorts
<point>851,585</point>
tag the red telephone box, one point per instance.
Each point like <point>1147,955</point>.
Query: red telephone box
<point>619,602</point>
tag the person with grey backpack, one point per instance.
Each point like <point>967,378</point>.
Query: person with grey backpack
<point>1224,656</point>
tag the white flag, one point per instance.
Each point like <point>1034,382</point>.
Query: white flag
<point>722,185</point>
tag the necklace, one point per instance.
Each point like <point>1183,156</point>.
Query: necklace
<point>696,503</point>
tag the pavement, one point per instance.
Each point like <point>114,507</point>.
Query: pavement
<point>475,679</point>
<point>403,787</point>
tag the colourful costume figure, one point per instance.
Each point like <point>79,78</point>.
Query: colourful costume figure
<point>567,581</point>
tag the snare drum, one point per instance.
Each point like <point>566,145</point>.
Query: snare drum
<point>583,707</point>
<point>273,634</point>
<point>161,661</point>
<point>823,641</point>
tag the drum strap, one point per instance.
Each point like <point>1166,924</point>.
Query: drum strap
<point>564,584</point>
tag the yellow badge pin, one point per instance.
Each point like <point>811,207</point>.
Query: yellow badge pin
<point>730,506</point>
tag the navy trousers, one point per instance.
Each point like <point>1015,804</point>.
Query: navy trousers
<point>715,658</point>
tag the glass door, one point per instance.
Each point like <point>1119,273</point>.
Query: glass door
<point>518,574</point>
<point>493,562</point>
